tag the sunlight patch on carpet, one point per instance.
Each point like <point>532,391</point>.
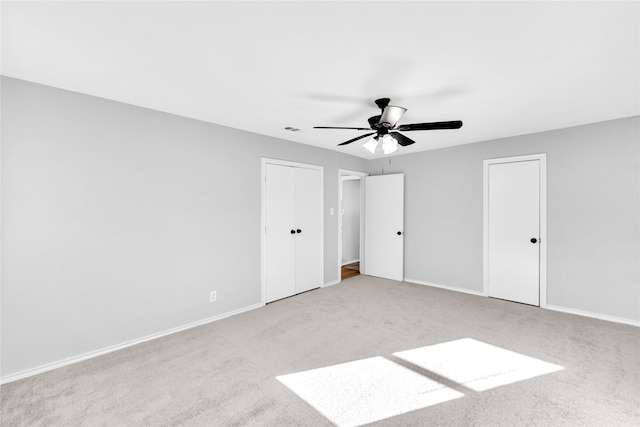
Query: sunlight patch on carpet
<point>367,390</point>
<point>477,365</point>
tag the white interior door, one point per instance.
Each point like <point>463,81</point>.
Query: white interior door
<point>384,226</point>
<point>308,223</point>
<point>514,231</point>
<point>280,243</point>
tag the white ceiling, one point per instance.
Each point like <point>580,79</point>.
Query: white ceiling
<point>503,68</point>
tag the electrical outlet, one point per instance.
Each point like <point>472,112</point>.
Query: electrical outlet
<point>213,296</point>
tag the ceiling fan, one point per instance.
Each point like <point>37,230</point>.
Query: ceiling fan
<point>386,128</point>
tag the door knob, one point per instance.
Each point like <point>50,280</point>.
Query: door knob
<point>399,233</point>
<point>298,231</point>
<point>534,240</point>
<point>293,231</point>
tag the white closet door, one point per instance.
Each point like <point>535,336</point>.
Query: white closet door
<point>384,226</point>
<point>514,231</point>
<point>280,243</point>
<point>308,220</point>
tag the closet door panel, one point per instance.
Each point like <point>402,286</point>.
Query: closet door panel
<point>308,219</point>
<point>280,243</point>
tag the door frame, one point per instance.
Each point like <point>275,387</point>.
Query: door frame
<point>542,158</point>
<point>362,175</point>
<point>263,176</point>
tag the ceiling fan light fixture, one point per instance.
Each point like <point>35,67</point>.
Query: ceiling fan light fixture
<point>389,144</point>
<point>371,145</point>
<point>392,114</point>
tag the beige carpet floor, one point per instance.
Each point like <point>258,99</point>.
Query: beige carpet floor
<point>224,373</point>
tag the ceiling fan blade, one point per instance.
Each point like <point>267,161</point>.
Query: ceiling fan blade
<point>402,140</point>
<point>338,127</point>
<point>455,124</point>
<point>356,138</point>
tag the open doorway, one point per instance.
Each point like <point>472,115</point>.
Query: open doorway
<point>350,223</point>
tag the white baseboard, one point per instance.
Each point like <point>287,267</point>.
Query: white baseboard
<point>335,282</point>
<point>594,315</point>
<point>75,359</point>
<point>548,307</point>
<point>350,262</point>
<point>450,288</point>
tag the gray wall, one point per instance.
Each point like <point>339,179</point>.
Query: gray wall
<point>593,214</point>
<point>350,220</point>
<point>117,221</point>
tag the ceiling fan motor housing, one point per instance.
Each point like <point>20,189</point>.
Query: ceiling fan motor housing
<point>373,121</point>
